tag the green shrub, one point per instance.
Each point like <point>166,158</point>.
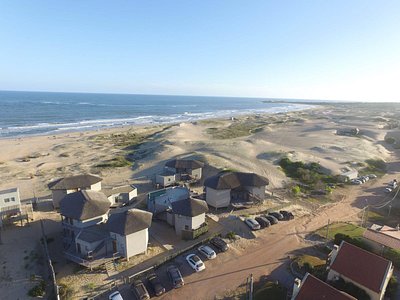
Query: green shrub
<point>390,140</point>
<point>350,289</point>
<point>231,235</point>
<point>38,290</point>
<point>296,190</point>
<point>391,288</point>
<point>66,292</point>
<point>339,237</point>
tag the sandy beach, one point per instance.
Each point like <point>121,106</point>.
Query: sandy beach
<point>249,143</point>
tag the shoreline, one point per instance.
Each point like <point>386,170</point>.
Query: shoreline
<point>172,123</point>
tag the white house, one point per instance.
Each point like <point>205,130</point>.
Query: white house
<point>311,288</point>
<point>364,269</point>
<point>10,203</point>
<point>67,185</point>
<point>185,168</point>
<point>167,178</point>
<point>187,216</point>
<point>227,187</point>
<point>348,175</point>
<point>121,195</point>
<point>129,231</point>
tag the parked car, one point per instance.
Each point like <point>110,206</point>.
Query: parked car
<point>156,284</point>
<point>372,176</point>
<point>263,222</point>
<point>115,296</point>
<point>356,181</point>
<point>140,290</point>
<point>207,251</point>
<point>271,219</point>
<point>287,215</point>
<point>219,244</point>
<point>388,190</point>
<point>277,215</point>
<point>195,262</point>
<point>175,276</point>
<point>253,224</point>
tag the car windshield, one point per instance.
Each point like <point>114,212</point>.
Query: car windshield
<point>195,258</point>
<point>200,264</point>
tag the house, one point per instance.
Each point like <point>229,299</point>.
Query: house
<point>10,203</point>
<point>160,200</point>
<point>348,175</point>
<point>71,184</point>
<point>227,187</point>
<point>188,216</point>
<point>129,231</point>
<point>379,237</point>
<point>185,168</point>
<point>121,195</point>
<point>364,269</point>
<point>92,236</point>
<point>311,288</point>
<point>166,178</point>
<point>180,170</point>
<point>80,210</point>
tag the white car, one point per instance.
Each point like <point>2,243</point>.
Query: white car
<point>253,224</point>
<point>371,176</point>
<point>207,251</point>
<point>115,296</point>
<point>388,190</point>
<point>195,262</point>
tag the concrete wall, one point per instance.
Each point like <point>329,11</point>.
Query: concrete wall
<point>165,180</point>
<point>218,198</point>
<point>94,187</point>
<point>196,173</point>
<point>192,223</point>
<point>9,200</point>
<point>136,243</point>
<point>257,191</point>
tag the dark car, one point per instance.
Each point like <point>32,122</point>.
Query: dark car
<point>140,290</point>
<point>156,285</point>
<point>175,276</point>
<point>271,219</point>
<point>219,244</point>
<point>287,215</point>
<point>263,222</point>
<point>276,215</point>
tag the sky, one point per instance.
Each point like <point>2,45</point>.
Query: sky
<point>331,50</point>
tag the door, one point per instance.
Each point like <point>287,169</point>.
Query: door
<point>114,244</point>
<point>78,247</point>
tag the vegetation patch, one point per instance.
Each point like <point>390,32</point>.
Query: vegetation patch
<point>376,166</point>
<point>350,289</point>
<point>38,290</point>
<point>66,292</point>
<point>350,230</point>
<point>116,162</point>
<point>270,290</point>
<point>236,129</point>
<point>310,176</point>
<point>311,264</point>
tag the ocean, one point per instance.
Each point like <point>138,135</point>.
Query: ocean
<point>34,113</point>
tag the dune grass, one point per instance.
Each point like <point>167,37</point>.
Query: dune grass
<point>351,230</point>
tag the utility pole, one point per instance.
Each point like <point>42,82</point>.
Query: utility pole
<point>251,287</point>
<point>327,229</point>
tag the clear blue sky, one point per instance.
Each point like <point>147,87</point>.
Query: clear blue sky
<point>296,49</point>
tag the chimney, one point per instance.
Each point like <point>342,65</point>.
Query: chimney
<point>296,287</point>
<point>334,253</point>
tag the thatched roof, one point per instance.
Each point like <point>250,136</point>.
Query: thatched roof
<point>184,164</point>
<point>189,207</point>
<point>129,221</point>
<point>85,204</point>
<point>232,180</point>
<point>74,182</point>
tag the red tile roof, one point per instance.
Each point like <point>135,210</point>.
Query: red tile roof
<point>314,289</point>
<point>383,237</point>
<point>361,266</point>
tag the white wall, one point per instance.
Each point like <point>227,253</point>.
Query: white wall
<point>165,180</point>
<point>12,199</point>
<point>96,187</point>
<point>136,243</point>
<point>218,198</point>
<point>196,173</point>
<point>198,220</point>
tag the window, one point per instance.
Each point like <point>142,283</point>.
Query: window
<point>186,227</point>
<point>6,200</point>
<point>13,199</point>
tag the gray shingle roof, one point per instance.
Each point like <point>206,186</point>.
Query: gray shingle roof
<point>13,190</point>
<point>232,180</point>
<point>189,207</point>
<point>85,204</point>
<point>74,182</point>
<point>129,221</point>
<point>184,164</point>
